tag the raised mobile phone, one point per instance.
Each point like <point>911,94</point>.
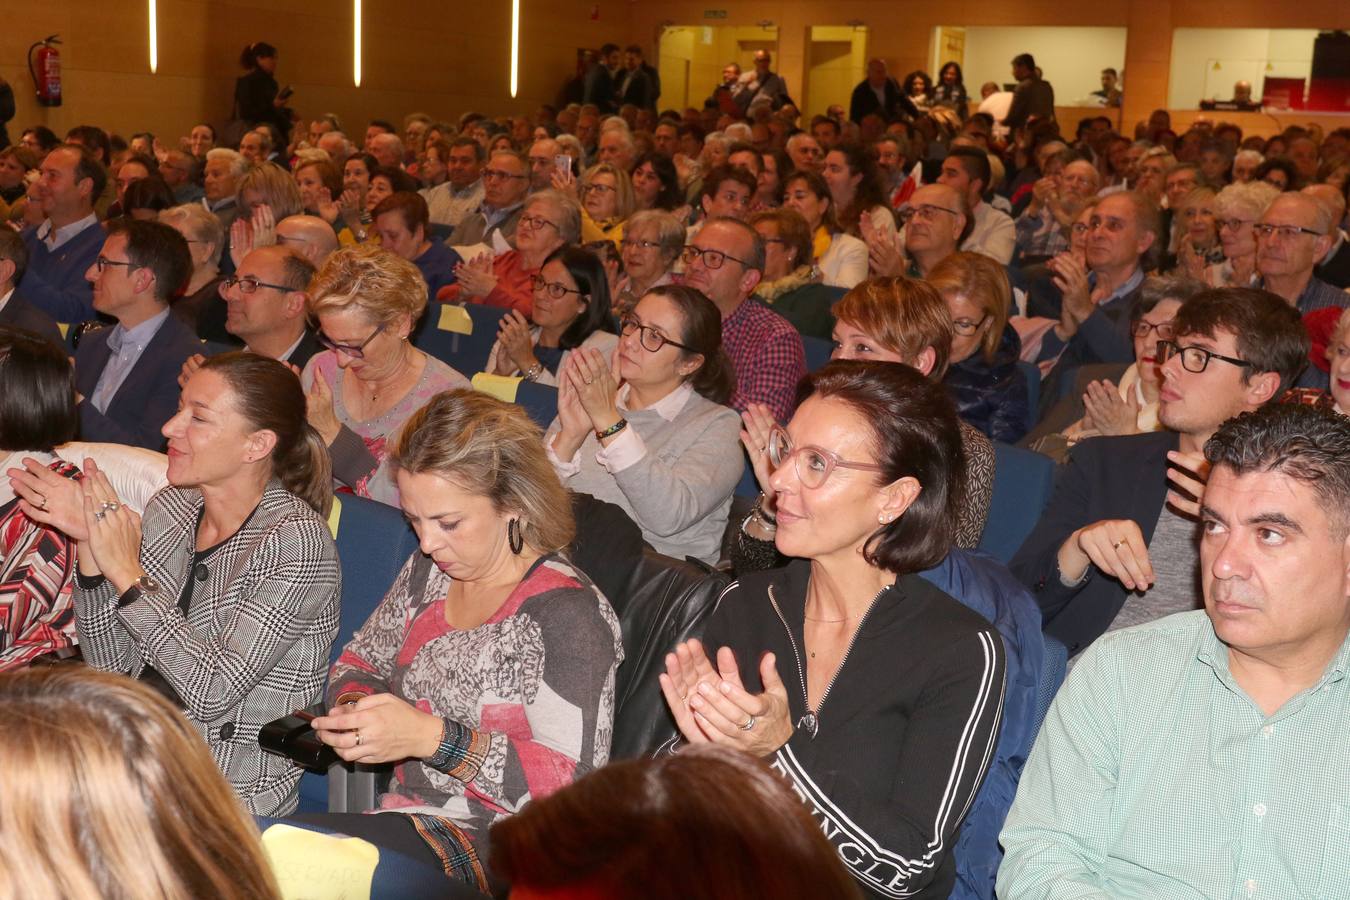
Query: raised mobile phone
<point>563,163</point>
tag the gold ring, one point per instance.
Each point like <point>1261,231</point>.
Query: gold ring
<point>358,737</point>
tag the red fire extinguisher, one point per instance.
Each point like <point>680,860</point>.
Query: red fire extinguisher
<point>46,70</point>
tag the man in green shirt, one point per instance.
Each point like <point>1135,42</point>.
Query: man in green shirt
<point>1204,754</point>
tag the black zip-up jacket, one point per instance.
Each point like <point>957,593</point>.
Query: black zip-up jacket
<point>902,737</point>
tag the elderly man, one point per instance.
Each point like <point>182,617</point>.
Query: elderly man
<point>934,220</point>
<point>310,236</point>
<point>68,240</point>
<point>967,170</point>
<point>879,93</point>
<point>387,150</point>
<point>726,261</point>
<point>805,153</point>
<point>220,182</point>
<point>255,146</point>
<point>176,169</point>
<point>401,222</point>
<point>761,83</point>
<point>543,157</point>
<point>1245,164</point>
<point>506,181</point>
<point>452,201</point>
<point>1334,267</point>
<point>126,377</point>
<point>1042,230</point>
<point>1242,95</point>
<point>337,146</point>
<point>1202,755</point>
<point>617,149</point>
<point>1294,235</point>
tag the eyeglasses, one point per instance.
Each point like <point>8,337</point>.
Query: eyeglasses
<point>1232,224</point>
<point>813,464</point>
<point>712,259</point>
<point>628,243</point>
<point>554,289</point>
<point>102,262</point>
<point>924,212</point>
<point>355,351</point>
<point>1286,232</point>
<point>499,175</point>
<point>249,285</point>
<point>1143,329</point>
<point>966,328</point>
<point>651,339</point>
<point>534,223</point>
<point>1195,359</point>
<point>602,188</point>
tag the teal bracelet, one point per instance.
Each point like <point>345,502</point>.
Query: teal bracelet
<point>612,430</point>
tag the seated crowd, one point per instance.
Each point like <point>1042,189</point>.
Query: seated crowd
<point>789,359</point>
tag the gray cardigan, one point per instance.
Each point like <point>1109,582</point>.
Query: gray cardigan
<point>679,490</point>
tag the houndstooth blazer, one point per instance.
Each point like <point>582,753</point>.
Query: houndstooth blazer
<point>255,643</point>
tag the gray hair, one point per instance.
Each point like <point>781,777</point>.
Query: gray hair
<point>669,232</point>
<point>196,224</point>
<point>1247,200</point>
<point>238,164</point>
<point>569,212</point>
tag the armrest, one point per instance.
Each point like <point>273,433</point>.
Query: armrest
<point>354,788</point>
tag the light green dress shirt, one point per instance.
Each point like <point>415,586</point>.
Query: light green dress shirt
<point>1155,776</point>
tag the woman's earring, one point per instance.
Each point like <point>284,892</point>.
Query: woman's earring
<point>515,537</point>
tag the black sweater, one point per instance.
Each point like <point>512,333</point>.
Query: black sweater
<point>903,736</point>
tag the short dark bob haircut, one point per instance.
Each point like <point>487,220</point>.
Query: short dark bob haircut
<point>915,434</point>
<point>37,406</point>
<point>588,272</point>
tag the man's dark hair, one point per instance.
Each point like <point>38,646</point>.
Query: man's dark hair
<point>465,141</point>
<point>383,123</point>
<point>719,175</point>
<point>46,138</point>
<point>825,120</point>
<point>15,250</point>
<point>147,193</point>
<point>92,137</point>
<point>1025,60</point>
<point>1110,71</point>
<point>398,179</point>
<point>88,166</point>
<point>634,49</point>
<point>296,270</point>
<point>976,163</point>
<point>607,49</point>
<point>208,126</point>
<point>37,406</point>
<point>1157,288</point>
<point>409,205</point>
<point>1269,331</point>
<point>145,161</point>
<point>1306,443</point>
<point>743,147</point>
<point>159,248</point>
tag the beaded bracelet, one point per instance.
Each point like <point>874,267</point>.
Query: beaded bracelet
<point>612,430</point>
<point>534,371</point>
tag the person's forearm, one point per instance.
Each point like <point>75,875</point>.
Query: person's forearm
<point>1073,562</point>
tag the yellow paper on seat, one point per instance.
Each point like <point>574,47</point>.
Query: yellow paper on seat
<point>335,516</point>
<point>503,387</point>
<point>455,319</point>
<point>309,865</point>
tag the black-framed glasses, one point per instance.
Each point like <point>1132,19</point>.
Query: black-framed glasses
<point>651,339</point>
<point>1286,232</point>
<point>712,259</point>
<point>813,464</point>
<point>595,186</point>
<point>1196,359</point>
<point>555,289</point>
<point>966,328</point>
<point>102,262</point>
<point>249,285</point>
<point>355,351</point>
<point>1142,329</point>
<point>534,223</point>
<point>924,212</point>
<point>499,175</point>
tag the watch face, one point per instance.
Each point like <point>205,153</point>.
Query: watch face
<point>147,583</point>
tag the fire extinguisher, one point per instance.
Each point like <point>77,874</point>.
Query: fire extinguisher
<point>46,70</point>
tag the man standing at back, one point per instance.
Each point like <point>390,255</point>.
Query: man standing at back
<point>1034,97</point>
<point>65,244</point>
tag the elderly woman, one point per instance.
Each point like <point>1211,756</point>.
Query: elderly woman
<point>37,562</point>
<point>550,219</point>
<point>1237,209</point>
<point>370,380</point>
<point>384,183</point>
<point>651,244</point>
<point>16,161</point>
<point>648,431</point>
<point>487,672</point>
<point>320,186</point>
<point>1198,245</point>
<point>841,257</point>
<point>606,203</point>
<point>990,390</point>
<point>225,595</point>
<point>791,285</point>
<point>200,306</point>
<point>571,311</point>
<point>267,194</point>
<point>846,655</point>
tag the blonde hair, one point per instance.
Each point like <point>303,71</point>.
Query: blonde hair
<point>623,187</point>
<point>981,281</point>
<point>492,449</point>
<point>112,794</point>
<point>277,187</point>
<point>380,285</point>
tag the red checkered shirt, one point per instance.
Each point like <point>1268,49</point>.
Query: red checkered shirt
<point>767,354</point>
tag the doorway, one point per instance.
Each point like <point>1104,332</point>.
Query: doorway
<point>691,58</point>
<point>836,61</point>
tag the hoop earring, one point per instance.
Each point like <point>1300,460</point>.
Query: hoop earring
<point>515,536</point>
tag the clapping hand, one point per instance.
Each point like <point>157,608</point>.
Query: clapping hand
<point>1108,412</point>
<point>596,383</point>
<point>516,347</point>
<point>113,529</point>
<point>475,276</point>
<point>712,706</point>
<point>1070,275</point>
<point>246,235</point>
<point>49,498</point>
<point>329,209</point>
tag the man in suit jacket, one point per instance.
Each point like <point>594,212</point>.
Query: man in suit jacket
<point>1111,549</point>
<point>126,376</point>
<point>15,311</point>
<point>879,93</point>
<point>1034,97</point>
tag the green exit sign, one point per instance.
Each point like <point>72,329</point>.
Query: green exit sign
<point>714,14</point>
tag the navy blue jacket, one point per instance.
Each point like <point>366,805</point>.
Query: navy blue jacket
<point>992,396</point>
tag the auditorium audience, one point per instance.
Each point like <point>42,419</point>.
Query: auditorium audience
<point>572,310</point>
<point>840,257</point>
<point>63,247</point>
<point>651,246</point>
<point>487,672</point>
<point>224,597</point>
<point>791,285</point>
<point>649,431</point>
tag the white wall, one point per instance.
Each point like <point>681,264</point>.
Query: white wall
<point>1242,54</point>
<point>1071,58</point>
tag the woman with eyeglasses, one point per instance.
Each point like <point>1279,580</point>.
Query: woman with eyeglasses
<point>990,390</point>
<point>200,306</point>
<point>791,285</point>
<point>1237,209</point>
<point>647,430</point>
<point>571,311</point>
<point>365,302</point>
<point>606,203</point>
<point>651,244</point>
<point>841,258</point>
<point>875,693</point>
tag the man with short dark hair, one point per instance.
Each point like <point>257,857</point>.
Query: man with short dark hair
<point>992,233</point>
<point>721,97</point>
<point>265,305</point>
<point>401,222</point>
<point>1203,755</point>
<point>826,132</point>
<point>726,194</point>
<point>16,312</point>
<point>373,130</point>
<point>1110,93</point>
<point>635,84</point>
<point>725,261</point>
<point>65,244</point>
<point>879,93</point>
<point>126,376</point>
<point>506,181</point>
<point>601,86</point>
<point>666,138</point>
<point>1033,97</point>
<point>1111,550</point>
<point>455,199</point>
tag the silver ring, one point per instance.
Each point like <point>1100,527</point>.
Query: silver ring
<point>358,737</point>
<point>43,505</point>
<point>748,725</point>
<point>111,505</point>
<point>99,515</point>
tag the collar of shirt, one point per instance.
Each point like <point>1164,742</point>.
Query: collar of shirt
<point>668,407</point>
<point>493,216</point>
<point>55,237</point>
<point>1214,654</point>
<point>138,336</point>
<point>460,193</point>
<point>1130,284</point>
<point>4,301</point>
<point>218,205</point>
<point>289,350</point>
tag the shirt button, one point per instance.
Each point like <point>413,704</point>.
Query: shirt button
<point>1250,886</point>
<point>1259,809</point>
<point>1267,730</point>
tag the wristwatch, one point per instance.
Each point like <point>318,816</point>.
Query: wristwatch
<point>146,584</point>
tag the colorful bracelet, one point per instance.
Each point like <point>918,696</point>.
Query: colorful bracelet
<point>612,430</point>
